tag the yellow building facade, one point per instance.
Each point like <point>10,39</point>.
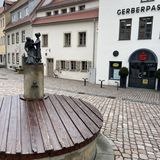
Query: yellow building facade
<point>2,38</point>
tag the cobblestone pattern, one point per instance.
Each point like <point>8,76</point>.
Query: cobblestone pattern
<point>132,127</point>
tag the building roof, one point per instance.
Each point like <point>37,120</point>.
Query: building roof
<point>90,14</point>
<point>62,3</point>
<point>25,20</point>
<point>8,2</point>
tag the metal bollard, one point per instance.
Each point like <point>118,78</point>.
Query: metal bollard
<point>85,80</point>
<point>101,83</point>
<point>117,85</point>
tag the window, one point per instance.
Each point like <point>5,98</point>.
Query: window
<point>1,59</point>
<point>84,66</point>
<point>82,7</point>
<point>67,39</point>
<point>125,29</point>
<point>13,38</point>
<point>13,58</point>
<point>19,15</point>
<point>72,9</point>
<point>114,68</point>
<point>82,39</point>
<point>26,11</point>
<point>56,12</point>
<point>17,58</point>
<point>63,11</point>
<point>45,40</point>
<point>23,36</point>
<point>13,17</point>
<point>62,65</point>
<point>145,28</point>
<point>48,13</point>
<point>8,57</point>
<point>17,37</point>
<point>73,65</point>
<point>8,39</point>
<point>147,0</point>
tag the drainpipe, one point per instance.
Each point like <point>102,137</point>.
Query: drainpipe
<point>94,41</point>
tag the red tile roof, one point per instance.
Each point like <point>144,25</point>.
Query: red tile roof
<point>90,14</point>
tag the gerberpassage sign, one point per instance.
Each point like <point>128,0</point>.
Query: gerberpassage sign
<point>141,9</point>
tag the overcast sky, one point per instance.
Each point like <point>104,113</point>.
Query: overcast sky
<point>1,2</point>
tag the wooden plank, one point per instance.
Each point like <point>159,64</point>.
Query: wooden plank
<point>70,127</point>
<point>87,111</point>
<point>57,124</point>
<point>12,130</point>
<point>18,132</point>
<point>86,120</point>
<point>5,121</point>
<point>25,133</point>
<point>93,109</point>
<point>46,128</point>
<point>35,134</point>
<point>85,132</point>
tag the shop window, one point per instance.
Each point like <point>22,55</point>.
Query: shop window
<point>23,36</point>
<point>82,7</point>
<point>73,65</point>
<point>62,65</point>
<point>13,38</point>
<point>82,39</point>
<point>72,9</point>
<point>67,39</point>
<point>125,29</point>
<point>114,68</point>
<point>84,66</point>
<point>45,40</point>
<point>145,28</point>
<point>17,37</point>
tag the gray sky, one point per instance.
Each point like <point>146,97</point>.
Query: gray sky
<point>1,2</point>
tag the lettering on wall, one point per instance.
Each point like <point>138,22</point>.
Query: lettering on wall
<point>141,9</point>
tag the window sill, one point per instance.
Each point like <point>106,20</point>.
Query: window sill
<point>67,46</point>
<point>81,45</point>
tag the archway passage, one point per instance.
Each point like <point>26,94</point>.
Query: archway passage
<point>143,65</point>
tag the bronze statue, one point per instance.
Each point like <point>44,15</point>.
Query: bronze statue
<point>33,50</point>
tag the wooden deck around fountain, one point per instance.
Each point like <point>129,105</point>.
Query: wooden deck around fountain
<point>53,126</point>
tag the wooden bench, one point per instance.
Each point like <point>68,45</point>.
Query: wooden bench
<point>52,126</point>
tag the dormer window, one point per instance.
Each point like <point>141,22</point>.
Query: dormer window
<point>56,12</point>
<point>26,11</point>
<point>63,11</point>
<point>72,9</point>
<point>19,15</point>
<point>48,13</point>
<point>82,7</point>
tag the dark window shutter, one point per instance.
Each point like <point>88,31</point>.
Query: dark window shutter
<point>77,65</point>
<point>88,65</point>
<point>57,65</point>
<point>66,65</point>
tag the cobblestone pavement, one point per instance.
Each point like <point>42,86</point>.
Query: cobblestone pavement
<point>131,120</point>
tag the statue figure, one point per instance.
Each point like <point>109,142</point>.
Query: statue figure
<point>30,49</point>
<point>38,48</point>
<point>33,50</point>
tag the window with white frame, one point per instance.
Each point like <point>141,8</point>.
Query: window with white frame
<point>63,65</point>
<point>82,39</point>
<point>9,58</point>
<point>13,58</point>
<point>81,8</point>
<point>73,65</point>
<point>17,37</point>
<point>72,9</point>
<point>17,58</point>
<point>84,66</point>
<point>63,11</point>
<point>67,39</point>
<point>45,40</point>
<point>8,39</point>
<point>23,36</point>
<point>13,38</point>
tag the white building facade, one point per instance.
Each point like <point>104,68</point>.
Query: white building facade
<point>69,38</point>
<point>129,36</point>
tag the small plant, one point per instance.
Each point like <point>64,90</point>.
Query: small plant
<point>123,72</point>
<point>157,74</point>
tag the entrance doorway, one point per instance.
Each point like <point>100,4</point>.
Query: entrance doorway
<point>143,65</point>
<point>50,67</point>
